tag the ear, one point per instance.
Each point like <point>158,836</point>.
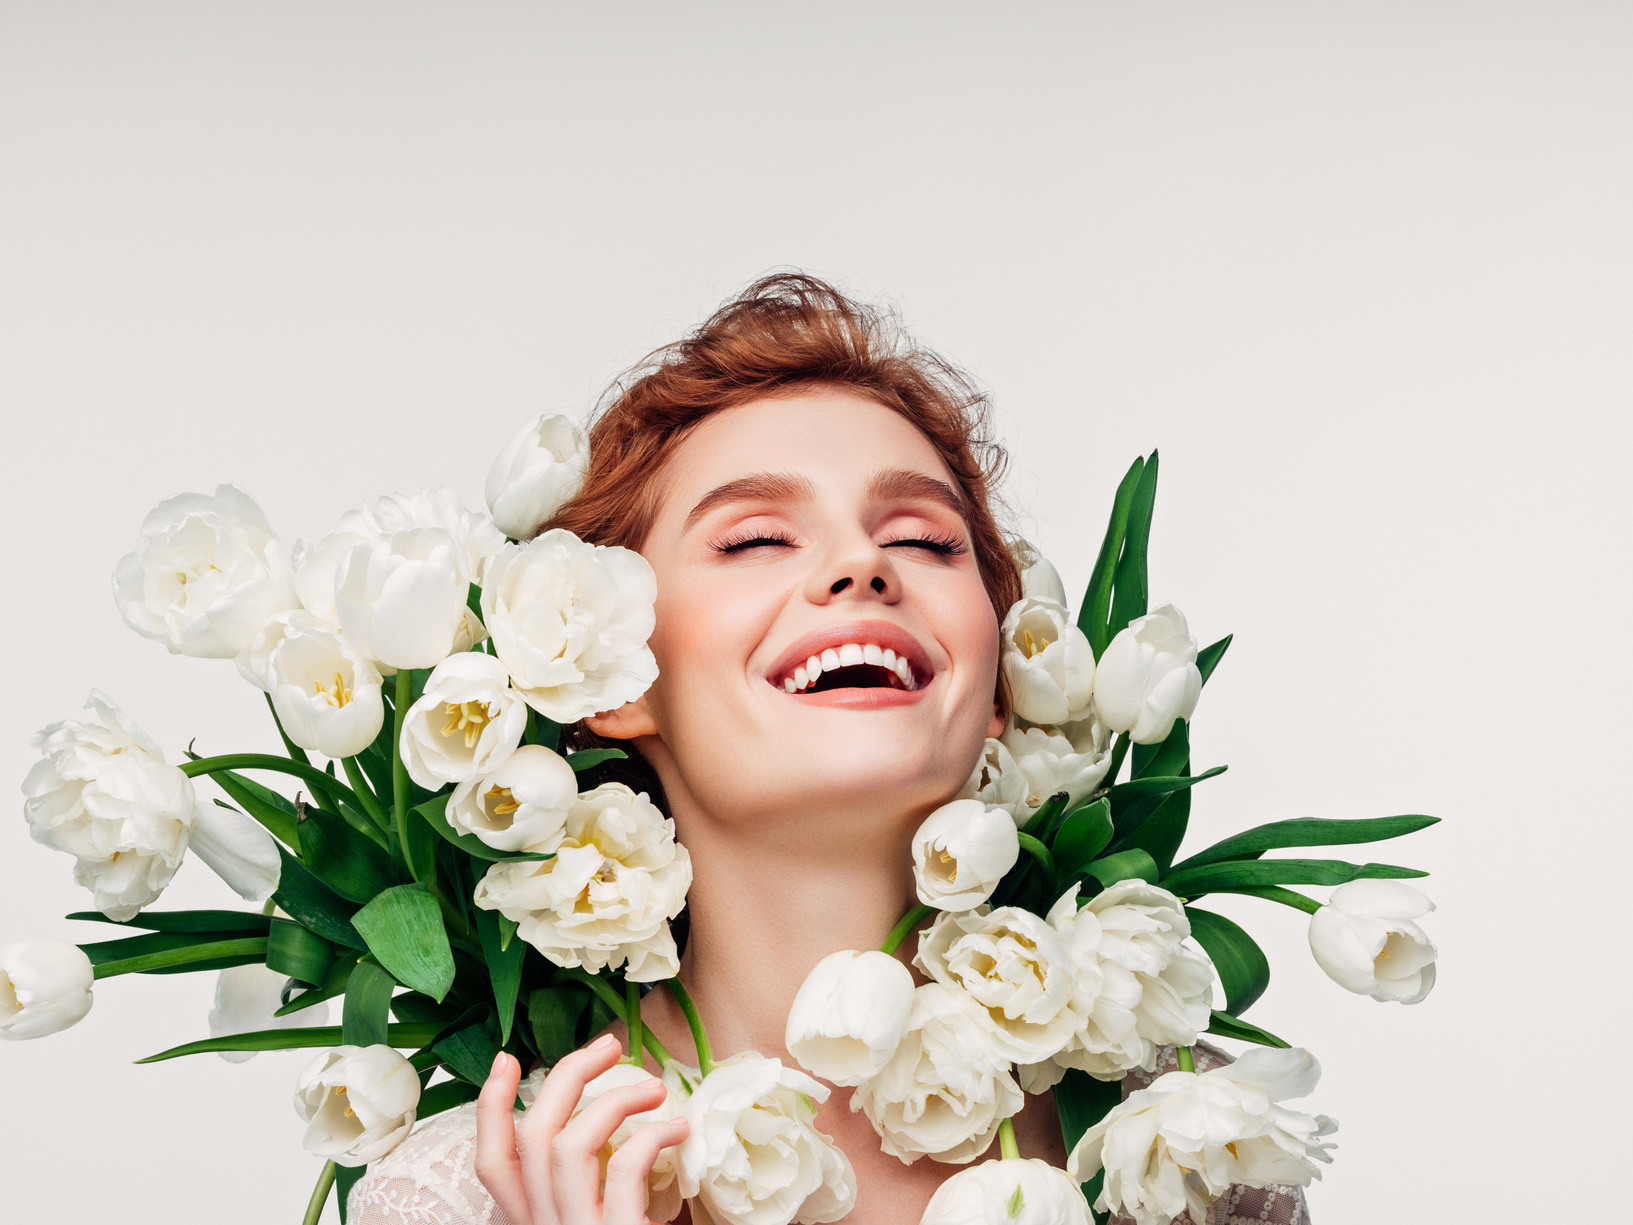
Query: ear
<point>627,722</point>
<point>998,724</point>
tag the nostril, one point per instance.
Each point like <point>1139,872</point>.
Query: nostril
<point>878,584</point>
<point>840,586</point>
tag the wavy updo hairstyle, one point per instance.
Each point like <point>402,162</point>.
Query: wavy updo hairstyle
<point>784,334</point>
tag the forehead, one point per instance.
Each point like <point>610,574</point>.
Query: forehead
<point>834,438</point>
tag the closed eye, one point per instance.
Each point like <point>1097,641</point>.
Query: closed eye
<point>946,546</point>
<point>754,541</point>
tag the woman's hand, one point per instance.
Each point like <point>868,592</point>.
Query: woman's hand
<point>546,1170</point>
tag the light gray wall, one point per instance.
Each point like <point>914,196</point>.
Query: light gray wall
<point>1360,271</point>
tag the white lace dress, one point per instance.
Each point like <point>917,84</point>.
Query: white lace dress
<point>430,1178</point>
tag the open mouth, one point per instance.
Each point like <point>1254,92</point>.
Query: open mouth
<point>854,665</point>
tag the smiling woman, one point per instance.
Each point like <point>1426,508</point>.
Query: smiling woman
<point>814,495</point>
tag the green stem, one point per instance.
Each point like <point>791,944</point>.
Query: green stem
<point>1118,752</point>
<point>365,793</point>
<point>1007,1147</point>
<point>902,930</point>
<point>614,1001</point>
<point>632,1018</point>
<point>253,946</point>
<point>399,771</point>
<point>320,1194</point>
<point>296,753</point>
<point>705,1061</point>
<point>266,761</point>
<point>1275,893</point>
<point>1039,852</point>
<point>1183,1055</point>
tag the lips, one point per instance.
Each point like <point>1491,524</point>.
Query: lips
<point>853,656</point>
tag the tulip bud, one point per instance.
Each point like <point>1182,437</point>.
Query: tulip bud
<point>850,1015</point>
<point>45,986</point>
<point>358,1103</point>
<point>521,806</point>
<point>1013,1191</point>
<point>537,471</point>
<point>326,695</point>
<point>1365,940</point>
<point>245,999</point>
<point>961,852</point>
<point>1038,576</point>
<point>1148,677</point>
<point>1047,661</point>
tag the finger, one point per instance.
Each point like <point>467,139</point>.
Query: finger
<point>551,1109</point>
<point>631,1166</point>
<point>497,1166</point>
<point>575,1154</point>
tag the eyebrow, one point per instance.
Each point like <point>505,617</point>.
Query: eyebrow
<point>756,487</point>
<point>903,484</point>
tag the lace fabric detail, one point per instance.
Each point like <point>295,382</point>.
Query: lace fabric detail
<point>1239,1205</point>
<point>430,1178</point>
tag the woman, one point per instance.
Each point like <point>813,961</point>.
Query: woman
<point>801,479</point>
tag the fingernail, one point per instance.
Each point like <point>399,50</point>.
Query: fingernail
<point>605,1042</point>
<point>498,1062</point>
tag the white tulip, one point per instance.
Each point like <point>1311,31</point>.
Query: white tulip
<point>849,1015</point>
<point>946,1088</point>
<point>663,1200</point>
<point>1148,677</point>
<point>606,899</point>
<point>1029,764</point>
<point>467,721</point>
<point>206,574</point>
<point>1039,578</point>
<point>538,471</point>
<point>45,986</point>
<point>961,852</point>
<point>103,794</point>
<point>1366,941</point>
<point>1047,661</point>
<point>571,620</point>
<point>1014,1191</point>
<point>358,1103</point>
<point>521,806</point>
<point>238,849</point>
<point>327,696</point>
<point>752,1153</point>
<point>1180,1144</point>
<point>1013,964</point>
<point>245,999</point>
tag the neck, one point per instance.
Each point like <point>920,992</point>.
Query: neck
<point>764,910</point>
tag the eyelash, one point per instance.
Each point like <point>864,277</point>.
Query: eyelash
<point>946,546</point>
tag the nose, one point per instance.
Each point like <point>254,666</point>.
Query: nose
<point>859,569</point>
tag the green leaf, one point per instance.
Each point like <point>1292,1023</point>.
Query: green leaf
<point>1231,873</point>
<point>366,1017</point>
<point>590,758</point>
<point>1167,759</point>
<point>421,851</point>
<point>1083,834</point>
<point>185,921</point>
<point>1132,583</point>
<point>342,858</point>
<point>552,1014</point>
<point>173,952</point>
<point>298,953</point>
<point>504,966</point>
<point>445,1095</point>
<point>1307,831</point>
<point>313,904</point>
<point>540,730</point>
<point>1161,833</point>
<point>266,806</point>
<point>1125,865</point>
<point>1095,612</point>
<point>346,1176</point>
<point>334,983</point>
<point>403,929</point>
<point>403,1037</point>
<point>468,1053</point>
<point>1042,824</point>
<point>1244,971</point>
<point>1082,1101</point>
<point>1145,788</point>
<point>1207,659</point>
<point>1227,1026</point>
<point>434,810</point>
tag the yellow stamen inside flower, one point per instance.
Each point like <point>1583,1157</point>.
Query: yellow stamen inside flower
<point>469,718</point>
<point>114,858</point>
<point>336,697</point>
<point>1383,952</point>
<point>1231,1149</point>
<point>507,803</point>
<point>1034,646</point>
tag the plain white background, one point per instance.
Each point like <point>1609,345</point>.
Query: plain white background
<point>1360,271</point>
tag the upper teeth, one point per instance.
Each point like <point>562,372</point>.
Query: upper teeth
<point>848,656</point>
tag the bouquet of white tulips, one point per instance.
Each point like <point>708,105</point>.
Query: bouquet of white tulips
<point>464,888</point>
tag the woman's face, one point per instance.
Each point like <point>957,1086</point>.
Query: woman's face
<point>816,526</point>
